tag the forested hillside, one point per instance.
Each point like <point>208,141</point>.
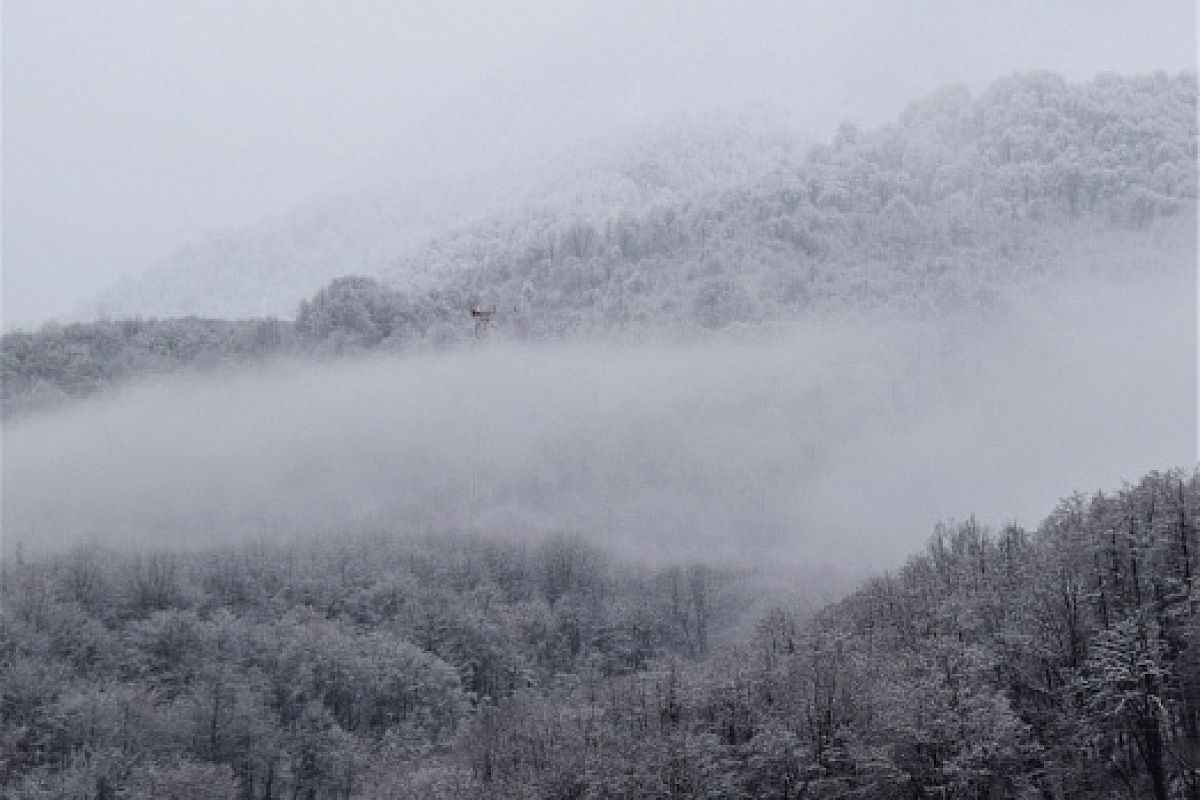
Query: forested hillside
<point>953,208</point>
<point>955,203</point>
<point>1057,663</point>
<point>267,269</point>
<point>958,192</point>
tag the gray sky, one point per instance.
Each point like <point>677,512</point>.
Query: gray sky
<point>133,127</point>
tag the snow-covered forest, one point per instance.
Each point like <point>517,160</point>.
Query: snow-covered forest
<point>999,662</point>
<point>957,205</point>
<point>560,402</point>
<point>959,191</point>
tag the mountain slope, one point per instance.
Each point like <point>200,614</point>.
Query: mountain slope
<point>723,224</point>
<point>958,200</point>
<point>268,268</point>
<point>962,205</point>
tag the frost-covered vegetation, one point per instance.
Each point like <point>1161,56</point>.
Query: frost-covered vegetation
<point>955,191</point>
<point>949,208</point>
<point>710,352</point>
<point>954,203</point>
<point>1062,662</point>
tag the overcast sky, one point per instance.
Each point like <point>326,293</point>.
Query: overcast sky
<point>133,127</point>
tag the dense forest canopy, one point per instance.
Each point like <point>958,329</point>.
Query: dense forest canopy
<point>1058,662</point>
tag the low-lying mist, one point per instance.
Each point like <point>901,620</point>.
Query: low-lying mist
<point>833,442</point>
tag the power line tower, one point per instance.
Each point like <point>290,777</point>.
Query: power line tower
<point>483,319</point>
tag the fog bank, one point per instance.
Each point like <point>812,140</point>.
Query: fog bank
<point>830,442</point>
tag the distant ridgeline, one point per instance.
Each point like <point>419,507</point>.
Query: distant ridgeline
<point>1057,663</point>
<point>947,208</point>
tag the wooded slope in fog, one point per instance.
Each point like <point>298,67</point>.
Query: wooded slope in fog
<point>954,207</point>
<point>1062,662</point>
<point>658,228</point>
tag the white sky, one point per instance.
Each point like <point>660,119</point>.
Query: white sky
<point>133,127</point>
